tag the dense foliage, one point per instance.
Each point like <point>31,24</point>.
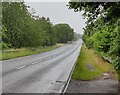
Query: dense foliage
<point>63,33</point>
<point>0,24</point>
<point>103,28</point>
<point>20,28</point>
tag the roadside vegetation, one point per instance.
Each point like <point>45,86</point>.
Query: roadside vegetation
<point>90,66</point>
<point>22,28</point>
<point>102,32</point>
<point>15,53</point>
<point>26,33</point>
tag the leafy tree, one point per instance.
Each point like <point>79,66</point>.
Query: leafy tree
<point>23,29</point>
<point>14,18</point>
<point>63,33</point>
<point>102,30</point>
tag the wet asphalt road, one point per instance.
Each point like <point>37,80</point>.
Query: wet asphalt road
<point>40,73</point>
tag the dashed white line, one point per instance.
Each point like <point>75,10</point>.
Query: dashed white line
<point>34,63</point>
<point>21,67</point>
<point>37,62</point>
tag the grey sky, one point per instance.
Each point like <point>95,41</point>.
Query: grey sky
<point>58,12</point>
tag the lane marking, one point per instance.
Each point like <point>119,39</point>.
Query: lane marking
<point>47,58</point>
<point>21,67</point>
<point>34,63</point>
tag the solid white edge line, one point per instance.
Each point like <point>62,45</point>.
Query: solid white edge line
<point>69,78</point>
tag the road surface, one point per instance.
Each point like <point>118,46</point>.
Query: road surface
<point>40,73</point>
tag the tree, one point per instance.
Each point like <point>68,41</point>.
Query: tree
<point>22,29</point>
<point>14,18</point>
<point>63,33</point>
<point>102,30</point>
<point>93,10</point>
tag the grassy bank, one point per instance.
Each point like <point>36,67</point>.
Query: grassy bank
<point>90,66</point>
<point>15,53</point>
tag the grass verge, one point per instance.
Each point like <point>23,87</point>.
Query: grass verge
<point>99,66</point>
<point>118,72</point>
<point>15,53</point>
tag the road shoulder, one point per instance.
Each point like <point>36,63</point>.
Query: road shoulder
<point>101,85</point>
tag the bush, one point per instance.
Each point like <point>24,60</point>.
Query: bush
<point>5,45</point>
<point>89,42</point>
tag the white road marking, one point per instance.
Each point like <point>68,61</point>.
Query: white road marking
<point>37,62</point>
<point>34,63</point>
<point>21,67</point>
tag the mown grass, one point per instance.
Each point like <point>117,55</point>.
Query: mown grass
<point>87,56</point>
<point>15,53</point>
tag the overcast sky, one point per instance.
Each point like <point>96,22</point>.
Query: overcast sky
<point>58,12</point>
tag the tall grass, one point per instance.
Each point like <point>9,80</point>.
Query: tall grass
<point>87,56</point>
<point>15,53</point>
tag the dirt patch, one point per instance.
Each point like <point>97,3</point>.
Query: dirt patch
<point>103,84</point>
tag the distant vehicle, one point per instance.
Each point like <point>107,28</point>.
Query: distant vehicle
<point>69,42</point>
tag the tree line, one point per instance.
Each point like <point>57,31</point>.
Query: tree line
<point>102,32</point>
<point>20,28</point>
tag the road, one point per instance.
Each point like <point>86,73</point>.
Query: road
<point>40,73</point>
